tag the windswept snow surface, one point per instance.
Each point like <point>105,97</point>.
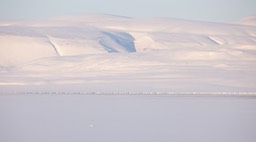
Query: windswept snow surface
<point>124,118</point>
<point>97,52</point>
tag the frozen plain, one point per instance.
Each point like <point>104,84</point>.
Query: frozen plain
<point>106,53</point>
<point>127,118</point>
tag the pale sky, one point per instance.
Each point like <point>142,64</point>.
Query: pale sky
<point>206,10</point>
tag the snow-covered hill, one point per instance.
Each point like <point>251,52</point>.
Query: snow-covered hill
<point>97,52</point>
<point>250,21</point>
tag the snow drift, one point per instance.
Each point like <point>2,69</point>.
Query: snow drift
<point>97,52</point>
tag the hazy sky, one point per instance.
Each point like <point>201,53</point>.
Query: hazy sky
<point>209,10</point>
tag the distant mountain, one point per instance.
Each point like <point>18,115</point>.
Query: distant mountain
<point>250,21</point>
<point>109,53</point>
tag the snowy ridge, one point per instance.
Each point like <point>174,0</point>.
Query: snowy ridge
<point>249,21</point>
<point>113,53</point>
<point>56,48</point>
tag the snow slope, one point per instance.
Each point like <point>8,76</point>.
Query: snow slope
<point>97,52</point>
<point>250,21</point>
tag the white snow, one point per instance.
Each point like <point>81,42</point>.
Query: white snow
<point>48,68</point>
<point>127,118</point>
<point>250,21</point>
<point>97,52</point>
